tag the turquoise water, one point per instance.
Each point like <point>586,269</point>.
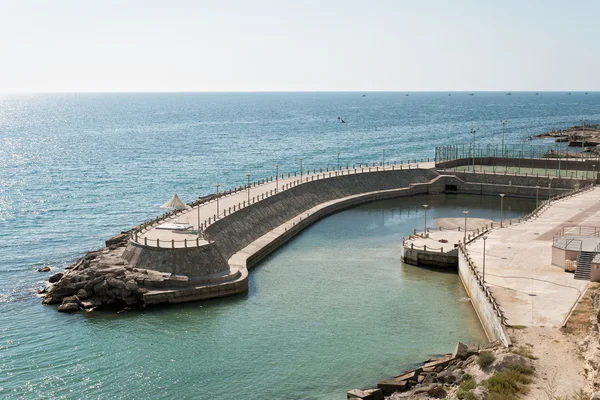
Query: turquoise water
<point>332,310</point>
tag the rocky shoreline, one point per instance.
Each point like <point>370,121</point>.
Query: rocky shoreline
<point>445,377</point>
<point>101,278</point>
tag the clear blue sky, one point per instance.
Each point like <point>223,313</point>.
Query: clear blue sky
<point>264,45</point>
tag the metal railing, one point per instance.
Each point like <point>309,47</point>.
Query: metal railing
<point>304,178</point>
<point>476,150</point>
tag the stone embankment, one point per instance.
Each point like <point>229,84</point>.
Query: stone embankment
<point>101,278</point>
<point>462,374</point>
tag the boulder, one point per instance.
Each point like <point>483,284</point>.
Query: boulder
<point>131,285</point>
<point>461,351</point>
<point>368,394</point>
<point>115,283</point>
<point>71,299</point>
<point>409,375</point>
<point>472,349</point>
<point>446,376</point>
<point>432,390</point>
<point>68,307</point>
<point>55,278</point>
<point>44,269</point>
<point>91,302</point>
<point>389,386</point>
<point>507,360</point>
<point>82,294</point>
<point>480,393</point>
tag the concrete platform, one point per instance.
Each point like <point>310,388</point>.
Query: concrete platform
<point>518,268</point>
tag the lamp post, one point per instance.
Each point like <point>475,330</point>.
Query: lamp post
<point>501,210</point>
<point>582,135</point>
<point>248,175</point>
<point>484,239</point>
<point>383,158</point>
<point>217,185</point>
<point>549,189</point>
<point>537,189</point>
<point>503,122</point>
<point>338,160</point>
<point>594,171</point>
<point>301,169</point>
<point>199,235</point>
<point>465,238</point>
<point>276,178</point>
<point>473,146</point>
<point>425,207</point>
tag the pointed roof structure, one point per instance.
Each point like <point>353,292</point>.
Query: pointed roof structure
<point>174,203</point>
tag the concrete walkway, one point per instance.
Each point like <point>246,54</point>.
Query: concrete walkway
<point>209,209</point>
<point>518,268</point>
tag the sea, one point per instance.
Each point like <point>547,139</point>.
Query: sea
<point>334,309</point>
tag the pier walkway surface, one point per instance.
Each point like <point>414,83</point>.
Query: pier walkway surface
<point>226,204</point>
<point>518,270</point>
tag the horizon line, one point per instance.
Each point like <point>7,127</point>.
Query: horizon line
<point>291,91</point>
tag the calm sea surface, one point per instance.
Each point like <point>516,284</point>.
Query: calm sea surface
<point>332,310</point>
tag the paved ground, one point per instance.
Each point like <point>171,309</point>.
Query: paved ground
<point>518,267</point>
<point>210,209</point>
<point>451,233</point>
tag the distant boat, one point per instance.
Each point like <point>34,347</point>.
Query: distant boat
<point>537,94</point>
<point>406,94</point>
<point>449,94</point>
<point>509,94</point>
<point>585,92</point>
<point>364,95</point>
<point>569,93</point>
<point>470,94</point>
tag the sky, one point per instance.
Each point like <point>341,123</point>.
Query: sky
<point>267,45</point>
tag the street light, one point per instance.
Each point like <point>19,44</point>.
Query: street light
<point>501,210</point>
<point>484,239</point>
<point>503,122</point>
<point>217,185</point>
<point>248,175</point>
<point>276,178</point>
<point>301,169</point>
<point>338,160</point>
<point>473,146</point>
<point>549,189</point>
<point>383,158</point>
<point>199,235</point>
<point>537,189</point>
<point>425,207</point>
<point>465,238</point>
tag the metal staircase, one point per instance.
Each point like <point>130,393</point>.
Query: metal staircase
<point>584,260</point>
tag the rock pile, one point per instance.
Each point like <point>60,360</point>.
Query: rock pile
<point>436,378</point>
<point>101,278</point>
<point>590,347</point>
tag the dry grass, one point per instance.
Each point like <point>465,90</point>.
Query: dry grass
<point>579,323</point>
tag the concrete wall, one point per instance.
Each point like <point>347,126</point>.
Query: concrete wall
<point>446,260</point>
<point>191,261</point>
<point>483,307</point>
<point>234,232</point>
<point>521,180</point>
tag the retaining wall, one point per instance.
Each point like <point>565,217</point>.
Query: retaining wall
<point>483,307</point>
<point>236,231</point>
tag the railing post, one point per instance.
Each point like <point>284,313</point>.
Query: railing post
<point>145,241</point>
<point>157,242</point>
<point>172,243</point>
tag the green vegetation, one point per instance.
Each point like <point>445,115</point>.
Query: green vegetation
<point>485,360</point>
<point>524,352</point>
<point>463,390</point>
<point>509,383</point>
<point>505,385</point>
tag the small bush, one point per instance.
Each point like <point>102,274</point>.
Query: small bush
<point>466,385</point>
<point>525,352</point>
<point>507,384</point>
<point>466,377</point>
<point>485,360</point>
